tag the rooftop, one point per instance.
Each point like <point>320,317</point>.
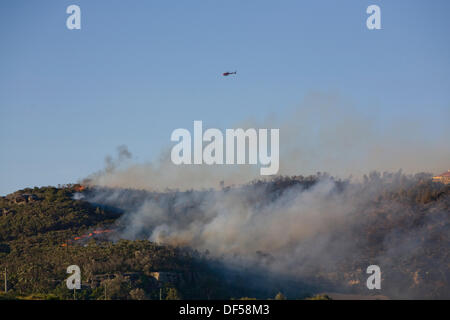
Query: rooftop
<point>445,174</point>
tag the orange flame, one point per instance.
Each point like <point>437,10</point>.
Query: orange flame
<point>80,188</point>
<point>88,235</point>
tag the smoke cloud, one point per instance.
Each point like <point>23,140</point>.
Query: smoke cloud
<point>308,228</point>
<point>314,227</point>
<point>325,133</point>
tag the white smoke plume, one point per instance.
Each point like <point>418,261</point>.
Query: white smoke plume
<point>325,133</point>
<point>316,228</point>
<point>313,228</point>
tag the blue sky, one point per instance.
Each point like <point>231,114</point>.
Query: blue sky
<point>139,69</point>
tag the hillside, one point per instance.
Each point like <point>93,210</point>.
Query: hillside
<point>35,227</point>
<point>398,222</point>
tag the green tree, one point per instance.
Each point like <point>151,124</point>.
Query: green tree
<point>280,296</point>
<point>173,294</point>
<point>138,294</point>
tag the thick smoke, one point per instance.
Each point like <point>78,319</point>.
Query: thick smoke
<point>307,228</point>
<point>315,228</point>
<point>324,133</point>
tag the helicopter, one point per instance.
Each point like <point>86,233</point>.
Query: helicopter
<point>226,74</point>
